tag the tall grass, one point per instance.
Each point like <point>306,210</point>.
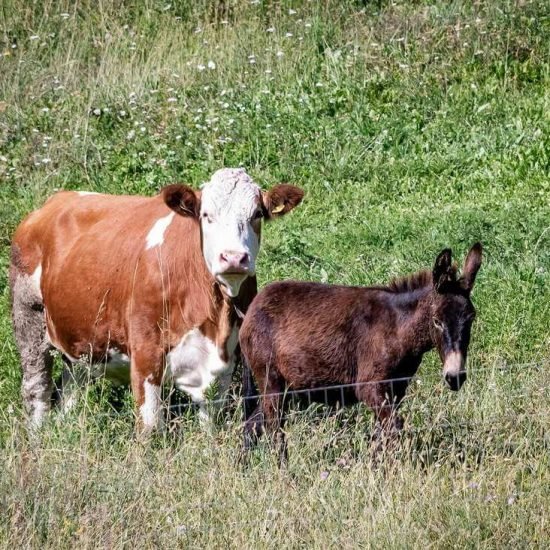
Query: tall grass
<point>412,126</point>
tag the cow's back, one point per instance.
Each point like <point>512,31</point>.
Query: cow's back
<point>91,255</point>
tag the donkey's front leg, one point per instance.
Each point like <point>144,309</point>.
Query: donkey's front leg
<point>146,378</point>
<point>384,402</point>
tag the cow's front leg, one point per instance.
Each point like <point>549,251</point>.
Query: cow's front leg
<point>147,378</point>
<point>213,401</point>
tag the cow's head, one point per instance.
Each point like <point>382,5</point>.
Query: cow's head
<point>230,209</point>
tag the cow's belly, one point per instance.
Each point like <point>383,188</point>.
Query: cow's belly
<point>196,364</point>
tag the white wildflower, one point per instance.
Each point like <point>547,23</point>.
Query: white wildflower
<point>279,54</point>
<point>34,37</point>
<point>172,99</point>
<point>270,29</point>
<point>211,65</point>
<point>200,67</point>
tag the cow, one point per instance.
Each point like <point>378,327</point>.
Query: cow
<point>159,283</point>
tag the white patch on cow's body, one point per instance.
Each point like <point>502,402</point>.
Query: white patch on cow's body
<point>36,278</point>
<point>151,409</point>
<point>229,202</point>
<point>196,363</point>
<point>155,237</point>
<point>454,364</point>
<point>86,193</point>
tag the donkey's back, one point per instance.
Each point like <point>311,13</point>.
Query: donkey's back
<point>308,335</point>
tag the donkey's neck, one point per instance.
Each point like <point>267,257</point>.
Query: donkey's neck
<point>415,311</point>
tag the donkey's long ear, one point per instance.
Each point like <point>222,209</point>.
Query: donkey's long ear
<point>472,263</point>
<point>443,272</point>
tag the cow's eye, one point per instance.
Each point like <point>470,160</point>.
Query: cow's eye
<point>438,325</point>
<point>258,215</point>
<point>207,217</point>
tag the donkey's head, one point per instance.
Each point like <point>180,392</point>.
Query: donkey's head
<point>453,312</point>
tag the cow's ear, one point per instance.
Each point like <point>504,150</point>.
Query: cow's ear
<point>182,199</point>
<point>281,199</point>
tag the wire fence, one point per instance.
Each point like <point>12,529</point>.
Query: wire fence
<point>340,396</point>
<point>345,394</point>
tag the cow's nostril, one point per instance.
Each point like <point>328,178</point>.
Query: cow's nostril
<point>234,260</point>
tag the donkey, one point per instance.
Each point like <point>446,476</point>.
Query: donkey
<point>302,336</point>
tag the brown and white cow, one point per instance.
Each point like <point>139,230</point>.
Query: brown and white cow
<point>154,281</point>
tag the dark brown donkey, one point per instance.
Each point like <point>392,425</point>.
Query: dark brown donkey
<point>300,335</point>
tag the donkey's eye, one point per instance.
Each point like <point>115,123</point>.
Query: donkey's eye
<point>438,325</point>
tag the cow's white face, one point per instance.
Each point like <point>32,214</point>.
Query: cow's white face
<point>230,209</point>
<point>230,215</point>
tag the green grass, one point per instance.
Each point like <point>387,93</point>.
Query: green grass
<point>412,126</point>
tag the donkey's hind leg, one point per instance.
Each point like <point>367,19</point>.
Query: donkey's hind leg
<point>34,347</point>
<point>273,407</point>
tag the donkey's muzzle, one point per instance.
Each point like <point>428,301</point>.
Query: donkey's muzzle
<point>455,380</point>
<point>454,371</point>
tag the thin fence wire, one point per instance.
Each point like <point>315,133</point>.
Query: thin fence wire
<point>312,393</point>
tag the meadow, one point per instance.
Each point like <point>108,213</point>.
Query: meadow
<point>412,126</point>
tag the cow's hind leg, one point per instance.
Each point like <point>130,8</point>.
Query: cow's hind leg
<point>34,347</point>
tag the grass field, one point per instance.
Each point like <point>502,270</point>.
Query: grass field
<point>412,126</point>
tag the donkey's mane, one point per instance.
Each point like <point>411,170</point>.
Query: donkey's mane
<point>412,282</point>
